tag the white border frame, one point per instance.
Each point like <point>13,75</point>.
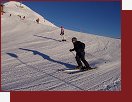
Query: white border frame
<point>4,96</point>
<point>126,4</point>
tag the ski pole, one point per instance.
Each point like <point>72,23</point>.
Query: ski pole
<point>73,53</point>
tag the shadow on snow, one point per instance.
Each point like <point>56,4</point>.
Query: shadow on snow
<point>47,38</point>
<point>44,56</point>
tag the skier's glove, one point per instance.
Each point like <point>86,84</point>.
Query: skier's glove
<point>71,50</point>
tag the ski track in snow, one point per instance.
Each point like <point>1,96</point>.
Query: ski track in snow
<point>32,53</point>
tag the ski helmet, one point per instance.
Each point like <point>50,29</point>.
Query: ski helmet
<point>74,39</point>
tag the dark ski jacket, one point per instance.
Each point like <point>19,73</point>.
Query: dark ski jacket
<point>78,47</point>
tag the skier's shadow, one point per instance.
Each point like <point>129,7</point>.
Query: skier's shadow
<point>46,38</point>
<point>12,55</point>
<point>44,56</point>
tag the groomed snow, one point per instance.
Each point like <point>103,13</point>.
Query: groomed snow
<point>32,54</point>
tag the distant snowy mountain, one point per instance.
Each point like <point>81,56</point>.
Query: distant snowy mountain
<point>16,8</point>
<point>32,54</point>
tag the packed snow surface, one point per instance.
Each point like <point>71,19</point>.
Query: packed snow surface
<point>32,54</point>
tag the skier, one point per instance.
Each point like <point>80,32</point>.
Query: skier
<point>62,33</point>
<point>80,54</point>
<point>10,15</point>
<point>37,20</point>
<point>24,17</point>
<point>19,16</point>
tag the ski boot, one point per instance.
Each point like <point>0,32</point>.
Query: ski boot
<point>86,68</point>
<point>79,67</point>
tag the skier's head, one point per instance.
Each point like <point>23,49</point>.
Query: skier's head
<point>74,39</point>
<point>61,26</point>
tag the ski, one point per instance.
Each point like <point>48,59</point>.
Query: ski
<point>73,71</point>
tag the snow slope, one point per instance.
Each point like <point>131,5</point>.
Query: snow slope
<point>32,53</point>
<point>16,8</point>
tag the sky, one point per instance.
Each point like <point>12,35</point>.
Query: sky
<point>100,18</point>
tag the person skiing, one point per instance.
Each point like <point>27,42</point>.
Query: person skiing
<point>80,54</point>
<point>19,16</point>
<point>37,20</point>
<point>62,33</point>
<point>24,17</point>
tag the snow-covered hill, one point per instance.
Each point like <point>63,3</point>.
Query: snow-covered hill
<point>18,9</point>
<point>32,55</point>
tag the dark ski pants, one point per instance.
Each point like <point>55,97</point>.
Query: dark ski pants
<point>81,57</point>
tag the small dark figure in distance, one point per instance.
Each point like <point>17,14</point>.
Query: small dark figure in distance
<point>80,54</point>
<point>10,15</point>
<point>19,16</point>
<point>37,20</point>
<point>24,17</point>
<point>62,34</point>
